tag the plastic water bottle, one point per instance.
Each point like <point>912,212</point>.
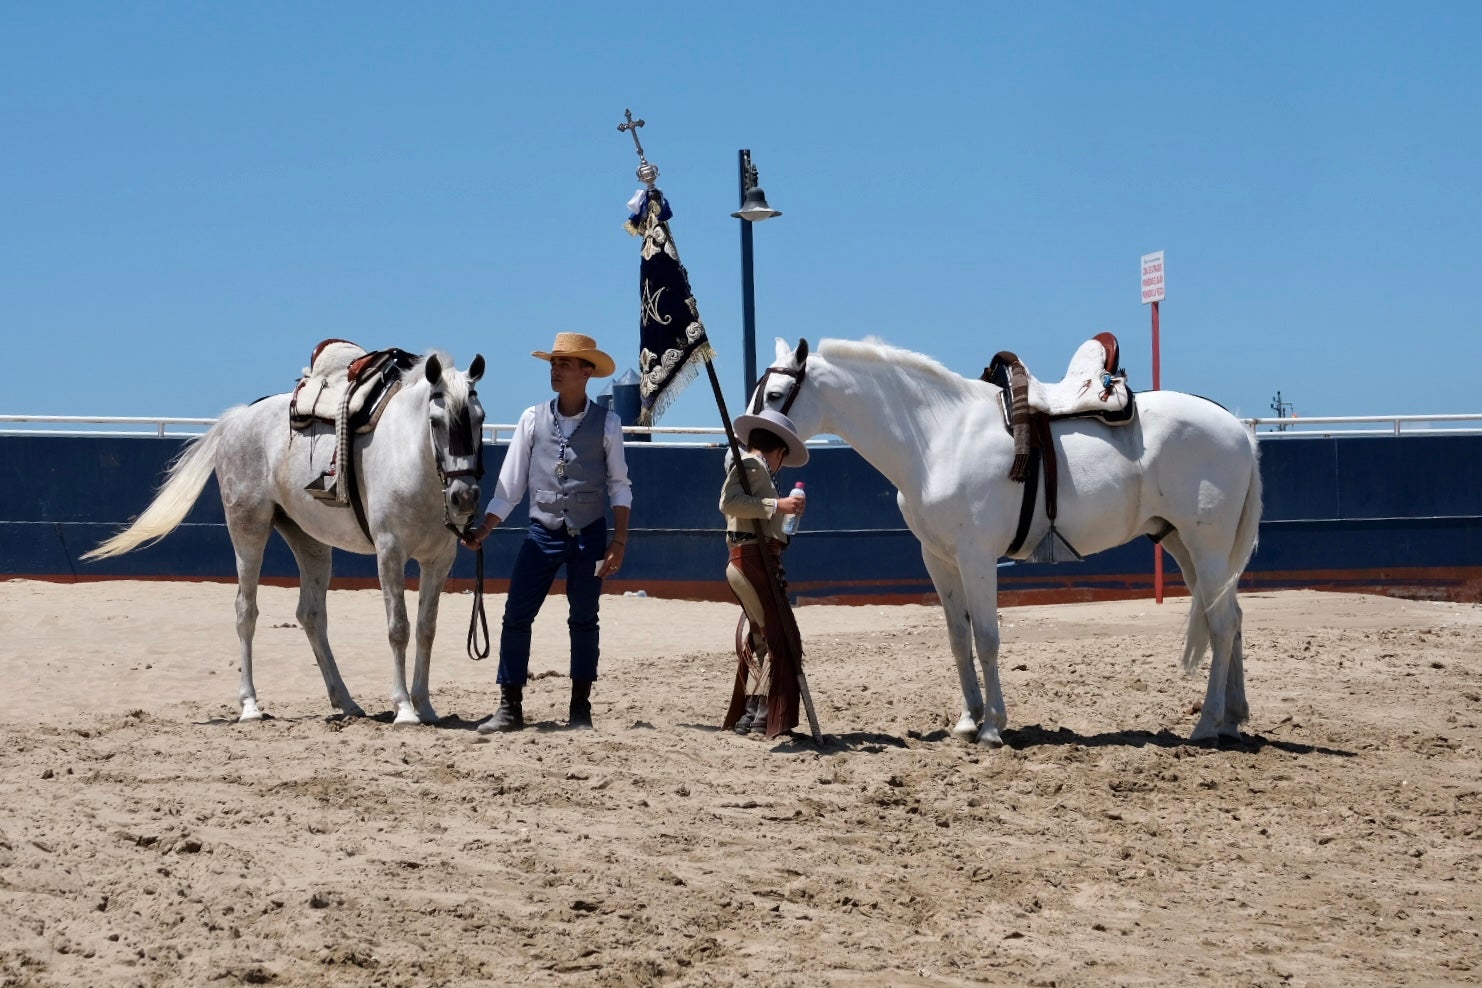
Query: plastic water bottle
<point>790,523</point>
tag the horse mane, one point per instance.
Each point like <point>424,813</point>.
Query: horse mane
<point>874,350</point>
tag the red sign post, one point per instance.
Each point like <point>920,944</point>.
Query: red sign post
<point>1152,294</point>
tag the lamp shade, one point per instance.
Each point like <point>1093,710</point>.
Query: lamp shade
<point>754,207</point>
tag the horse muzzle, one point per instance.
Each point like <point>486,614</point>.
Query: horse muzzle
<point>462,498</point>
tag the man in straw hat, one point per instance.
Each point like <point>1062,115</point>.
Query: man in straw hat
<point>765,698</point>
<point>568,452</point>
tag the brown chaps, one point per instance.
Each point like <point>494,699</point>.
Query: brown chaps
<point>784,644</point>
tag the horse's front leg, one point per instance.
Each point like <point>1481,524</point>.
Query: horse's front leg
<point>434,575</point>
<point>980,579</point>
<point>948,582</point>
<point>391,563</point>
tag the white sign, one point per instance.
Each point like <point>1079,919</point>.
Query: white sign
<point>1152,277</point>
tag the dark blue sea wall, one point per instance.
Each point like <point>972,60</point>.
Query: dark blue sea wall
<point>1398,514</point>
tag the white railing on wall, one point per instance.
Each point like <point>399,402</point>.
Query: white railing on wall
<point>1276,428</point>
<point>1363,425</point>
<point>182,428</point>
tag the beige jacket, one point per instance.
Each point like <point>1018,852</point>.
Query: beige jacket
<point>740,508</point>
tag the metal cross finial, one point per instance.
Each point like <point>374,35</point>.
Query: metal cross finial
<point>647,173</point>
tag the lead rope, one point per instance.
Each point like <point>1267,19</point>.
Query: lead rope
<point>478,623</point>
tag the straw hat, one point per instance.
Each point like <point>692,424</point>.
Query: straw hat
<point>581,347</point>
<point>779,425</point>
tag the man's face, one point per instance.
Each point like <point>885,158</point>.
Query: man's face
<point>568,372</point>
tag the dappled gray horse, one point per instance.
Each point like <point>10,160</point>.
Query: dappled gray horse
<point>417,482</point>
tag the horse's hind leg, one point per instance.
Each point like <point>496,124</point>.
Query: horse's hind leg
<point>1215,616</point>
<point>249,528</point>
<point>947,579</point>
<point>315,567</point>
<point>1237,708</point>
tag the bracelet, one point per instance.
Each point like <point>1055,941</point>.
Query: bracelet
<point>619,542</point>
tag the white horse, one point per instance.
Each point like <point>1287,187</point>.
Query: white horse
<point>418,474</point>
<point>1184,470</point>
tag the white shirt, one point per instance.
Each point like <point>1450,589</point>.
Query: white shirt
<point>514,476</point>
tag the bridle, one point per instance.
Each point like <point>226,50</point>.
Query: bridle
<point>798,375</point>
<point>463,457</point>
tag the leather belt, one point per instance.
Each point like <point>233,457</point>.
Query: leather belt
<point>737,538</point>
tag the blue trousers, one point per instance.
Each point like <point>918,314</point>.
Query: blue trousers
<point>541,555</point>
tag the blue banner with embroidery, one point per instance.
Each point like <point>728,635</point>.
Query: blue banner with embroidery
<point>672,340</point>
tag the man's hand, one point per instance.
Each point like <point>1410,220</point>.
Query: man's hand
<point>473,538</point>
<point>614,559</point>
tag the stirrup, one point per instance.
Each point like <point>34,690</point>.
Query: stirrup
<point>324,488</point>
<point>1053,549</point>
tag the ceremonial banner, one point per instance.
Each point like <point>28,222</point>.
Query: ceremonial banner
<point>672,341</point>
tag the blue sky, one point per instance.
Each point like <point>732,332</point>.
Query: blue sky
<point>196,194</point>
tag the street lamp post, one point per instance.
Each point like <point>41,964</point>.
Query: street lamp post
<point>753,209</point>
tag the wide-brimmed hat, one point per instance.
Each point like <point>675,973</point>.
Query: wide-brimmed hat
<point>581,347</point>
<point>780,426</point>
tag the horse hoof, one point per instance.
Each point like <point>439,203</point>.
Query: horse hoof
<point>988,737</point>
<point>250,714</point>
<point>1209,731</point>
<point>966,729</point>
<point>407,718</point>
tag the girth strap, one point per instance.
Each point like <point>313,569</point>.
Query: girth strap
<point>1041,448</point>
<point>352,483</point>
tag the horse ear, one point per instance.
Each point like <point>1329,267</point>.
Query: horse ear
<point>434,369</point>
<point>801,353</point>
<point>476,369</point>
<point>782,349</point>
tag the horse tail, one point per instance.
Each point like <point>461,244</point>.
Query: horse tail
<point>1248,533</point>
<point>187,476</point>
<point>1242,548</point>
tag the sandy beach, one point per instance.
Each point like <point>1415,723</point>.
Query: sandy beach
<point>146,838</point>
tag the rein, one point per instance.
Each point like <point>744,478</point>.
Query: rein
<point>478,622</point>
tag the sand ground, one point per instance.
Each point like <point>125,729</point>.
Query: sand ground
<point>148,839</point>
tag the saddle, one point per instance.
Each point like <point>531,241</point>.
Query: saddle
<point>348,388</point>
<point>1094,386</point>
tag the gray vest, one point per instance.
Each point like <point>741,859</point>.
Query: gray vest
<point>580,497</point>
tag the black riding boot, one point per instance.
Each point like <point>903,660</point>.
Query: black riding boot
<point>749,714</point>
<point>581,704</point>
<point>511,713</point>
